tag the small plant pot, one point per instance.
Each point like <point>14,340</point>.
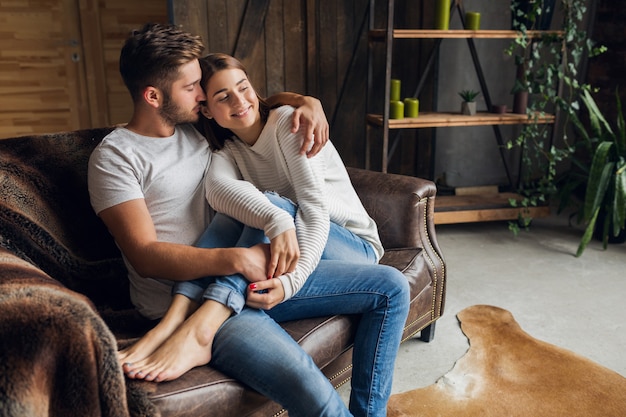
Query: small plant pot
<point>520,102</point>
<point>468,108</point>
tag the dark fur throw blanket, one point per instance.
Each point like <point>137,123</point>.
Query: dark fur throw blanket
<point>59,271</point>
<point>58,356</point>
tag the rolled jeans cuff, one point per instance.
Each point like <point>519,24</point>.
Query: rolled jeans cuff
<point>226,296</point>
<point>189,289</point>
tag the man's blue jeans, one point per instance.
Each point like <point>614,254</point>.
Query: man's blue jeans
<point>343,283</point>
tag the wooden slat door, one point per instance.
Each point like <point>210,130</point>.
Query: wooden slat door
<point>59,62</point>
<point>42,83</point>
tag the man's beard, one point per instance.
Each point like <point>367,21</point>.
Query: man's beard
<point>173,114</point>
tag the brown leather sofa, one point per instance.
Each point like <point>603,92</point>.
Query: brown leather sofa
<point>64,301</point>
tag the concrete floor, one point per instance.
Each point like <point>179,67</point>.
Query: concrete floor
<point>576,303</point>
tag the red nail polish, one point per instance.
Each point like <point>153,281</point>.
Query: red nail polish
<point>252,286</point>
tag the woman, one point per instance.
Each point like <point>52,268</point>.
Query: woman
<point>253,156</point>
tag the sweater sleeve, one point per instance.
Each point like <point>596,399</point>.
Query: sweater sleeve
<point>306,176</point>
<point>229,194</point>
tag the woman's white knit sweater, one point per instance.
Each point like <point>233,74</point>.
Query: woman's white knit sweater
<point>320,186</point>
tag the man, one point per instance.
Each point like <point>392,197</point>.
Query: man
<point>146,183</point>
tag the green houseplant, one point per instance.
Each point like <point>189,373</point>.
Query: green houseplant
<point>468,105</point>
<point>532,14</point>
<point>605,178</point>
<point>549,71</point>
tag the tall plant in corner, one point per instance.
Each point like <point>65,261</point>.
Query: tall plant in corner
<point>605,195</point>
<point>550,73</point>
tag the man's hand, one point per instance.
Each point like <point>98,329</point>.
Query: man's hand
<point>254,262</point>
<point>311,117</point>
<point>265,294</point>
<point>284,254</point>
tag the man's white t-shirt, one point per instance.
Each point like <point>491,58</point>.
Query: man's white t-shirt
<point>168,173</point>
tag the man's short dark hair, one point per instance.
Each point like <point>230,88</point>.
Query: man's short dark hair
<point>153,55</point>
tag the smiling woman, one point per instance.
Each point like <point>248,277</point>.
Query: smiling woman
<point>316,225</point>
<point>234,105</point>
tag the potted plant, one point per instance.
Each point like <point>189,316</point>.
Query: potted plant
<point>604,208</point>
<point>468,106</point>
<point>520,88</point>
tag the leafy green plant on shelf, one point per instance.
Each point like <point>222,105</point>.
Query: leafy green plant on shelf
<point>468,95</point>
<point>549,72</point>
<point>468,105</point>
<point>604,179</point>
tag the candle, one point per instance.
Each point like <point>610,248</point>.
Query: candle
<point>411,107</point>
<point>394,95</point>
<point>442,14</point>
<point>498,108</point>
<point>472,21</point>
<point>396,109</point>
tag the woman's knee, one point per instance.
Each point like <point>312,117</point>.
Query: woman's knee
<point>396,283</point>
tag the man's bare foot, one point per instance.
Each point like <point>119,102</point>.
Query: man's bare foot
<point>178,311</point>
<point>144,347</point>
<point>189,346</point>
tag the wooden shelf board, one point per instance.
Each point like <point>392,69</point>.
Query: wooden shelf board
<point>442,119</point>
<point>379,34</point>
<point>482,208</point>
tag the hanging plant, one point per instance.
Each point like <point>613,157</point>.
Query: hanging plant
<point>550,65</point>
<point>532,14</point>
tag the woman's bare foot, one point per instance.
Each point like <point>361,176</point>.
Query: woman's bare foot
<point>178,311</point>
<point>189,346</point>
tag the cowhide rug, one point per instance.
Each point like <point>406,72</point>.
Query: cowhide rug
<point>507,372</point>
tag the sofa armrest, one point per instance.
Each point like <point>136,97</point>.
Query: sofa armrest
<point>402,206</point>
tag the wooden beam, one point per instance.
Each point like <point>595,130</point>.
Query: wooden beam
<point>94,61</point>
<point>251,28</point>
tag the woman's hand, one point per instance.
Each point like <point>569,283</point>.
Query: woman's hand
<point>284,254</point>
<point>265,294</point>
<point>310,115</point>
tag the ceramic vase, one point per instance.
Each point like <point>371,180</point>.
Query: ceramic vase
<point>468,108</point>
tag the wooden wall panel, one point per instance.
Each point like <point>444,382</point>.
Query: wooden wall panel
<point>275,64</point>
<point>193,14</point>
<point>294,33</point>
<point>40,60</point>
<point>305,46</point>
<point>117,18</point>
<point>59,62</point>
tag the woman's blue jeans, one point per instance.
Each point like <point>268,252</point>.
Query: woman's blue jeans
<point>346,281</point>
